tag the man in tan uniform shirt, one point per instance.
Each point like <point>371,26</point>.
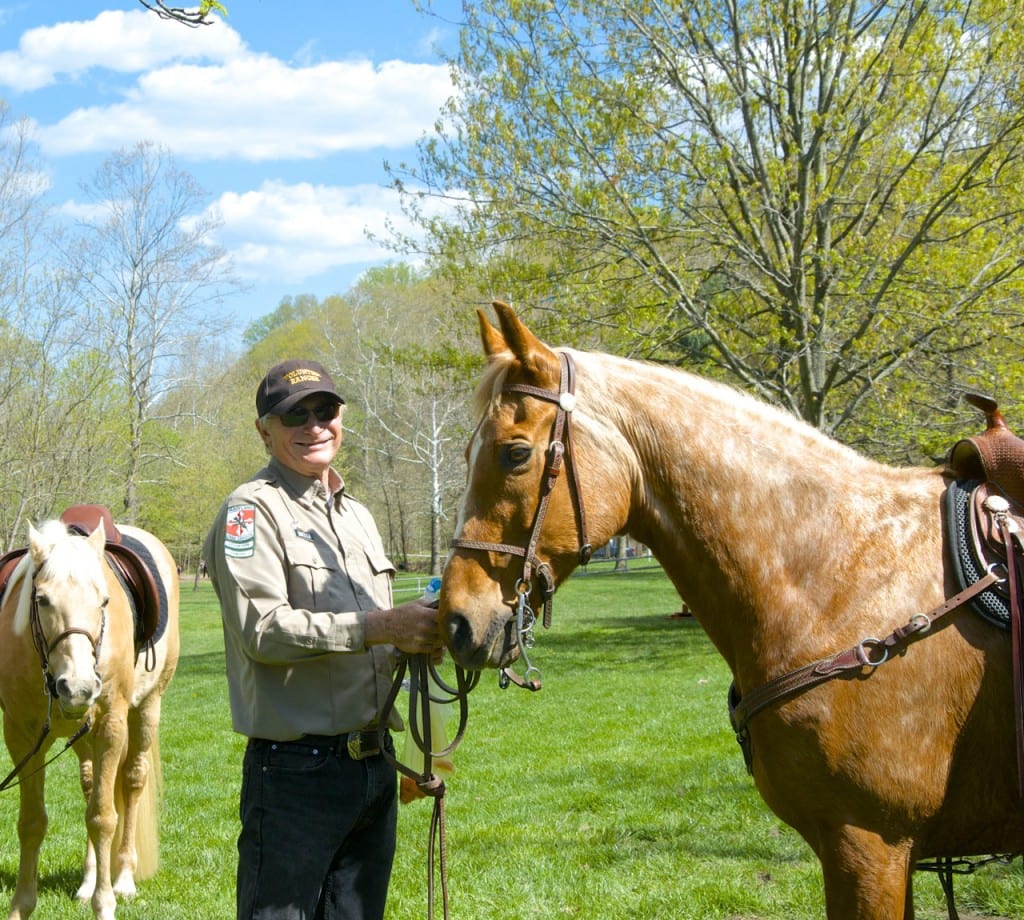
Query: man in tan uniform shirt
<point>310,635</point>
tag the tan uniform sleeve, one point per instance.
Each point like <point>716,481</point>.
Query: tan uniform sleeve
<point>269,582</point>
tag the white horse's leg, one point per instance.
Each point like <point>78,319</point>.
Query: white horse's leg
<point>84,751</point>
<point>101,815</point>
<point>31,830</point>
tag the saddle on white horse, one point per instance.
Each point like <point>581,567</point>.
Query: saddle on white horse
<point>132,563</point>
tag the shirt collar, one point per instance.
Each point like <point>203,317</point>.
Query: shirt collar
<point>308,487</point>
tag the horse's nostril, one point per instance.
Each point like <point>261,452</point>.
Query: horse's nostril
<point>459,631</point>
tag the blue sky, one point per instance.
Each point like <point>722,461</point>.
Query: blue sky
<point>284,112</point>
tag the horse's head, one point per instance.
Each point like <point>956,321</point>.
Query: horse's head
<point>523,526</point>
<point>66,611</point>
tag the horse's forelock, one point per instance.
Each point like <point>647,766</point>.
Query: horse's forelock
<point>492,382</point>
<point>68,558</point>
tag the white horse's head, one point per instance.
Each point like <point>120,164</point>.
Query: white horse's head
<point>63,601</point>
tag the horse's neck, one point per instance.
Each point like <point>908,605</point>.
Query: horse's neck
<point>754,515</point>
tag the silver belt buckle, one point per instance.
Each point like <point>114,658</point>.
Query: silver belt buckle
<point>356,750</point>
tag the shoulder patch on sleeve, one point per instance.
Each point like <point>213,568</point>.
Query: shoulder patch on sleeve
<point>240,532</point>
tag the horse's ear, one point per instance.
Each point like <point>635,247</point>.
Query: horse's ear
<point>532,353</point>
<point>98,538</point>
<point>493,341</point>
<point>38,545</point>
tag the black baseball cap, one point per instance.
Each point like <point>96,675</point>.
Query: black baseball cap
<point>289,382</point>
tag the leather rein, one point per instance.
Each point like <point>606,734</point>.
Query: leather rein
<point>421,671</point>
<point>422,675</point>
<point>559,454</point>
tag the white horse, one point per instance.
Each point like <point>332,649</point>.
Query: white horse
<point>71,660</point>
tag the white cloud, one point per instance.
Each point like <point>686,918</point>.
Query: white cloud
<point>204,95</point>
<point>208,98</point>
<point>258,108</point>
<point>120,41</point>
<point>287,233</point>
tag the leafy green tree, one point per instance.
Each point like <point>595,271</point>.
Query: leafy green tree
<point>814,199</point>
<point>407,362</point>
<point>57,438</point>
<point>149,278</point>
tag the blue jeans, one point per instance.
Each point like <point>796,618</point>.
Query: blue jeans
<point>318,831</point>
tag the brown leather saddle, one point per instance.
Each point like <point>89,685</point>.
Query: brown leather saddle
<point>131,562</point>
<point>995,456</point>
<point>985,531</point>
<point>985,508</point>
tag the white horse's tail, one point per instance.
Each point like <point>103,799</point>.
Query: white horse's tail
<point>147,828</point>
<point>147,816</point>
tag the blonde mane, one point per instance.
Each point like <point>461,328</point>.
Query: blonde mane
<point>731,402</point>
<point>24,570</point>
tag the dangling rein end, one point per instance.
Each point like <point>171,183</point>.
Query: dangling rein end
<point>431,785</point>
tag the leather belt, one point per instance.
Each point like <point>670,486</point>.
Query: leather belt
<point>357,745</point>
<point>361,745</point>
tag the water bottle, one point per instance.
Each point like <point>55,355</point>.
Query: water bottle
<point>433,592</point>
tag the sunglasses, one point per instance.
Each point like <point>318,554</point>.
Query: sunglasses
<point>299,415</point>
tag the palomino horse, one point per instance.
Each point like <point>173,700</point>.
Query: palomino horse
<point>787,547</point>
<point>66,609</point>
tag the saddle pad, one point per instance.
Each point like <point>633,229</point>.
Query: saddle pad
<point>968,565</point>
<point>151,608</point>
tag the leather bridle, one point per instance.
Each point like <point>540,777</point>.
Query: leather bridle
<point>559,453</point>
<point>45,649</point>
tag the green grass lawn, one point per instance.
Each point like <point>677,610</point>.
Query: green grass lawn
<point>616,792</point>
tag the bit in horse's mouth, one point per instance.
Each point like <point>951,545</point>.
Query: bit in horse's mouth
<point>500,643</point>
<point>497,647</point>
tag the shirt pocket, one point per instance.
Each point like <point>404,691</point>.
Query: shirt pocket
<point>379,563</point>
<point>310,573</point>
<point>383,572</point>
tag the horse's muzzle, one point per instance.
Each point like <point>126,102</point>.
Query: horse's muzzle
<point>475,650</point>
<point>76,695</point>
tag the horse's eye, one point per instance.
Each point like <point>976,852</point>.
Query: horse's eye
<point>515,455</point>
<point>104,602</point>
<point>42,600</point>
